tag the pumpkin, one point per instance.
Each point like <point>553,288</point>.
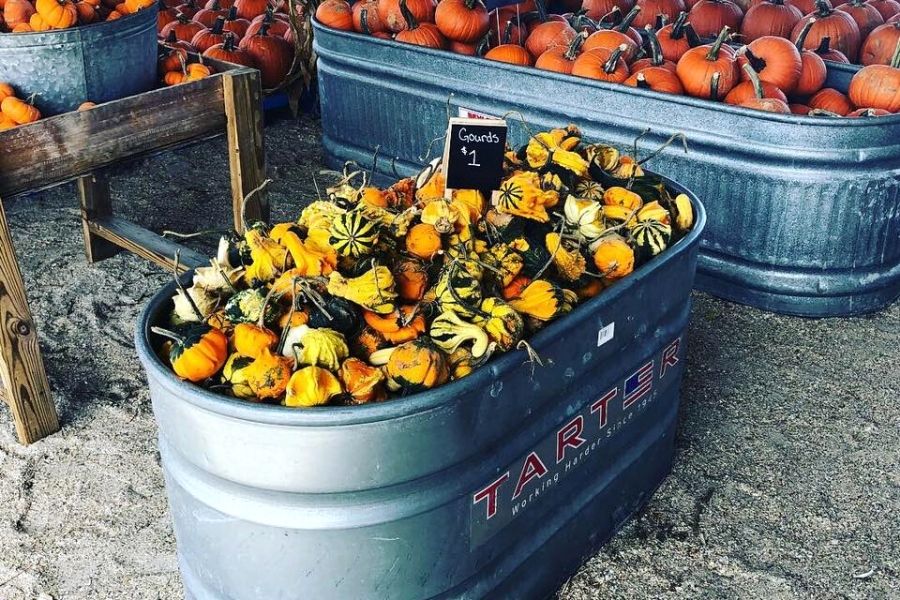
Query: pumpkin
<point>249,9</point>
<point>775,60</point>
<point>746,90</point>
<point>866,16</point>
<point>38,23</point>
<point>449,332</point>
<point>799,109</point>
<point>836,25</point>
<point>6,90</point>
<point>658,79</point>
<point>352,234</point>
<point>769,18</point>
<point>207,16</point>
<point>402,325</point>
<point>277,26</point>
<point>336,14</point>
<point>708,71</point>
<point>463,21</point>
<point>58,14</point>
<point>655,59</point>
<point>677,38</point>
<point>373,290</point>
<point>365,17</point>
<point>321,347</point>
<point>182,29</point>
<point>423,241</point>
<point>651,237</point>
<point>250,339</point>
<point>235,24</point>
<point>543,300</point>
<point>362,381</point>
<point>613,257</point>
<point>509,51</point>
<point>503,325</point>
<point>831,100</point>
<point>206,39</point>
<point>708,17</point>
<point>17,12</point>
<point>272,54</point>
<point>772,100</point>
<point>391,14</point>
<point>875,86</point>
<point>547,35</point>
<point>417,365</point>
<point>234,373</point>
<point>198,353</point>
<point>228,51</point>
<point>521,195</point>
<point>878,48</point>
<point>561,58</point>
<point>595,9</point>
<point>311,386</point>
<point>812,67</point>
<point>189,8</point>
<point>419,33</point>
<point>87,13</point>
<point>651,8</point>
<point>19,111</point>
<point>610,39</point>
<point>887,8</point>
<point>603,65</point>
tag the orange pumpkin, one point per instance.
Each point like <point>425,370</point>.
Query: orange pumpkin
<point>58,14</point>
<point>19,111</point>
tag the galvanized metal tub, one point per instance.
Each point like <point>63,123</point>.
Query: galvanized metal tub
<point>98,62</point>
<point>416,497</point>
<point>804,212</point>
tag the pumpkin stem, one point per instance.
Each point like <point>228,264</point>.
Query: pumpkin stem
<point>507,32</point>
<point>656,55</point>
<point>181,18</point>
<point>628,20</point>
<point>756,62</point>
<point>824,8</point>
<point>541,10</point>
<point>167,334</point>
<point>575,45</point>
<point>678,26</point>
<point>716,47</point>
<point>754,79</point>
<point>613,61</point>
<point>264,29</point>
<point>642,82</point>
<point>232,14</point>
<point>801,37</point>
<point>821,112</point>
<point>714,86</point>
<point>364,21</point>
<point>661,20</point>
<point>895,60</point>
<point>217,26</point>
<point>470,4</point>
<point>613,16</point>
<point>692,37</point>
<point>410,19</point>
<point>824,46</point>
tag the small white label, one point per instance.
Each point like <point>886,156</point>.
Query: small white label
<point>606,333</point>
<point>467,113</point>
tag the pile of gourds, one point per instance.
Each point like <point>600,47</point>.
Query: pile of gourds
<point>656,45</point>
<point>374,293</point>
<point>176,66</point>
<point>24,16</point>
<point>252,33</point>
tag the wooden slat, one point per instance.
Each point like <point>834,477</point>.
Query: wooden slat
<point>93,193</point>
<point>63,147</point>
<point>25,384</point>
<point>242,95</point>
<point>146,244</point>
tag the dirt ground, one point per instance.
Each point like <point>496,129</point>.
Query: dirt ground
<point>786,482</point>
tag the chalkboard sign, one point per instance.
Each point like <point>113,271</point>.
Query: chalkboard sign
<point>473,154</point>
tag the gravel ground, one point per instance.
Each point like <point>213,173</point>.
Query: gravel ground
<point>786,482</point>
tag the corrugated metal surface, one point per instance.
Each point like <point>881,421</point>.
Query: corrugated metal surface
<point>804,213</point>
<point>392,500</point>
<point>99,62</point>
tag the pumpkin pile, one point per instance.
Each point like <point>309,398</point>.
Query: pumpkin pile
<point>657,45</point>
<point>252,33</point>
<point>176,66</point>
<point>374,293</point>
<point>24,16</point>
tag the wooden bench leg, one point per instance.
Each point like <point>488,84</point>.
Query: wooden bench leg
<point>21,367</point>
<point>246,146</point>
<point>93,192</point>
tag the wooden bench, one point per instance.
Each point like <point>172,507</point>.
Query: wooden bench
<point>78,146</point>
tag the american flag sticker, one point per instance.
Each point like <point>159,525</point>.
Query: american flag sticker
<point>638,385</point>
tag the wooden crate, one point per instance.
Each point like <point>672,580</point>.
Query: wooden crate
<point>78,146</point>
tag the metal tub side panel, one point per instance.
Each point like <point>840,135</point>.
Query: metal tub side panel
<point>805,213</point>
<point>98,62</point>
